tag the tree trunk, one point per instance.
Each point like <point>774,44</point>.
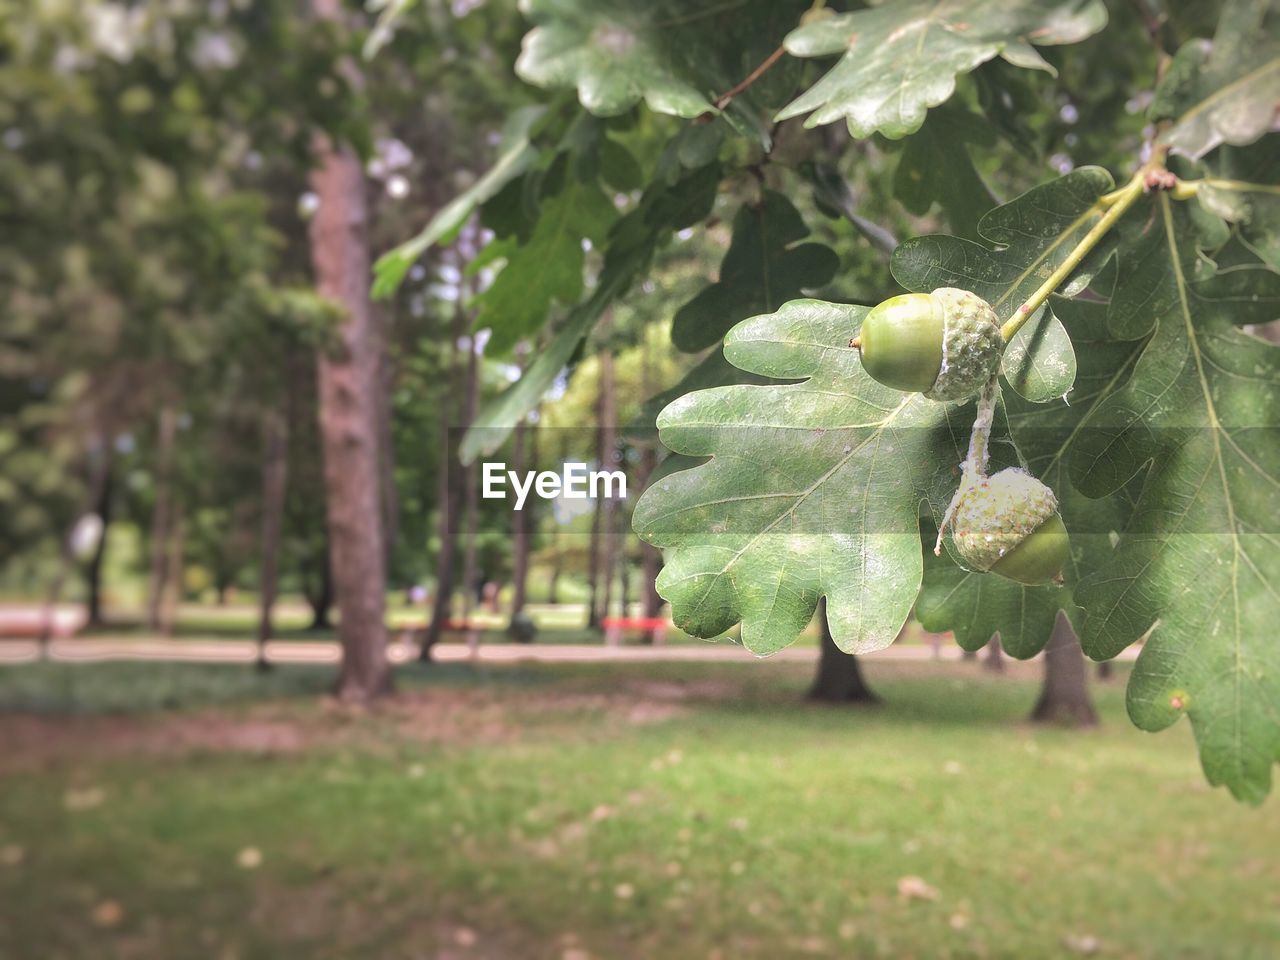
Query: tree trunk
<point>275,466</point>
<point>1105,670</point>
<point>174,564</point>
<point>161,513</point>
<point>593,568</point>
<point>99,456</point>
<point>348,387</point>
<point>321,599</point>
<point>624,570</point>
<point>470,500</point>
<point>93,573</point>
<point>839,679</point>
<point>521,524</point>
<point>608,459</point>
<point>993,660</point>
<point>553,584</point>
<point>448,495</point>
<point>650,556</point>
<point>1064,695</point>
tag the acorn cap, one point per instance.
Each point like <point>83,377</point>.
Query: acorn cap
<point>971,345</point>
<point>1009,524</point>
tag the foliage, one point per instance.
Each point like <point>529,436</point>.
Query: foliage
<point>1129,384</point>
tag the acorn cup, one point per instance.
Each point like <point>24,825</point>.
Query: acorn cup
<point>1008,524</point>
<point>944,344</point>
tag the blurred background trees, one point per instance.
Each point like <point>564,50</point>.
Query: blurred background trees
<point>191,193</point>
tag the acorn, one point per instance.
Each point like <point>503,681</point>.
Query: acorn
<point>944,344</point>
<point>1009,524</point>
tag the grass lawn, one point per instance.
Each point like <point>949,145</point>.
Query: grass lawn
<point>640,811</point>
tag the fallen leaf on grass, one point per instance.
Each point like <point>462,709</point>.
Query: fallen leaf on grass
<point>108,913</point>
<point>914,888</point>
<point>86,799</point>
<point>1085,944</point>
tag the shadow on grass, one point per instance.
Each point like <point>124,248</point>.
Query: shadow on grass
<point>936,695</point>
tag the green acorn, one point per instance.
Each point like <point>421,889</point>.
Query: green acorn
<point>944,344</point>
<point>1009,524</point>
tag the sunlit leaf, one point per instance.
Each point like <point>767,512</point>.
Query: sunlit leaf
<point>813,489</point>
<point>899,59</point>
<point>1198,565</point>
<point>1224,91</point>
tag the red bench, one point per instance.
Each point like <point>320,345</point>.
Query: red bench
<point>613,627</point>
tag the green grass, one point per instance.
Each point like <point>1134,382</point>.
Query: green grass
<point>572,809</point>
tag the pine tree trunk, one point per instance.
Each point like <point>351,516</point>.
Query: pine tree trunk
<point>1064,695</point>
<point>275,466</point>
<point>348,388</point>
<point>839,679</point>
<point>161,513</point>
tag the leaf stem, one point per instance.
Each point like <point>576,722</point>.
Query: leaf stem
<point>1189,188</point>
<point>1115,204</point>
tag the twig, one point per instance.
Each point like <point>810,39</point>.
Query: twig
<point>974,467</point>
<point>726,98</point>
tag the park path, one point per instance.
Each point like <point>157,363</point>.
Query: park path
<point>299,651</point>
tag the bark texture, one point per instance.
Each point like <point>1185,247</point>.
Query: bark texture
<point>348,378</point>
<point>1064,695</point>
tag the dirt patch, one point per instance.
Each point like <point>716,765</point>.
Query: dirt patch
<point>434,715</point>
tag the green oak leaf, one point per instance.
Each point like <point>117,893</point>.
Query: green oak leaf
<point>675,55</point>
<point>1245,190</point>
<point>766,265</point>
<point>666,206</point>
<point>1197,566</point>
<point>812,489</point>
<point>1034,234</point>
<point>975,606</point>
<point>516,154</point>
<point>547,267</point>
<point>611,52</point>
<point>899,59</point>
<point>935,167</point>
<point>1225,91</point>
